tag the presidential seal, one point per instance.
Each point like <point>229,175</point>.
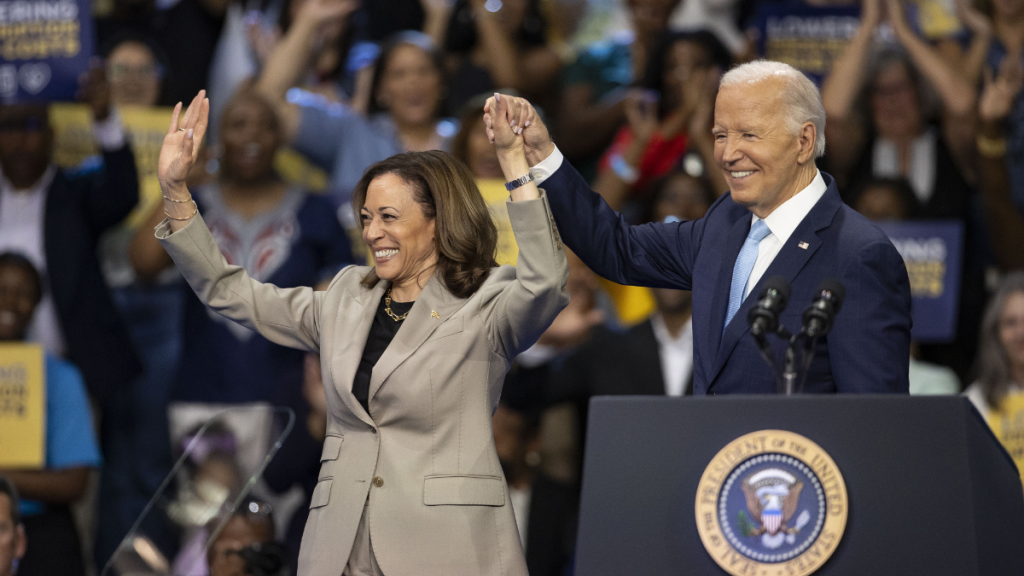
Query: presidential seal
<point>771,503</point>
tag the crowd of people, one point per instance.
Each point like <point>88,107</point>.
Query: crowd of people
<point>917,129</point>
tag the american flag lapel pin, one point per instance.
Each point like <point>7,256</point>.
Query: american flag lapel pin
<point>803,245</point>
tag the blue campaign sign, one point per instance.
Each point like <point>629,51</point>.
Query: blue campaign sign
<point>44,46</point>
<point>932,251</point>
<point>808,38</point>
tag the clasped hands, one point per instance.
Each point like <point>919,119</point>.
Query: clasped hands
<point>516,130</point>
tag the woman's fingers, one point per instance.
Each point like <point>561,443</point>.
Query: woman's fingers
<point>174,119</point>
<point>202,122</point>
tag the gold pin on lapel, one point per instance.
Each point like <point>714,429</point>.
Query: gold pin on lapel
<point>434,314</point>
<point>803,245</point>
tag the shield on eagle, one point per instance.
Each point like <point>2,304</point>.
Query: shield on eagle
<point>772,496</point>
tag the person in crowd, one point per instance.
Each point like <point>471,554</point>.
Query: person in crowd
<point>453,320</point>
<point>12,531</point>
<point>54,217</point>
<point>782,217</point>
<point>894,135</point>
<point>71,448</point>
<point>998,393</point>
<point>246,543</point>
<point>893,200</point>
<point>278,233</point>
<point>997,36</point>
<point>471,144</point>
<point>1005,223</point>
<point>188,63</point>
<point>546,510</point>
<point>135,71</point>
<point>407,92</point>
<point>405,98</point>
<point>898,135</point>
<point>594,95</point>
<point>684,71</point>
<point>885,200</point>
<point>505,48</point>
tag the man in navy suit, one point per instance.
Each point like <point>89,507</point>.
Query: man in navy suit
<point>782,217</point>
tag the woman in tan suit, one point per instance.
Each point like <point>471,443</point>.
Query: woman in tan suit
<point>413,352</point>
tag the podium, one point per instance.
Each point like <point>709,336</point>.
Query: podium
<point>928,488</point>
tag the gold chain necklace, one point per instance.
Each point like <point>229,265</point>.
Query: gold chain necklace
<point>387,308</point>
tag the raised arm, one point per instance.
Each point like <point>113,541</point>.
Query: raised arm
<point>655,255</point>
<point>292,56</point>
<point>290,317</point>
<point>526,307</point>
<point>957,95</point>
<point>1005,222</point>
<point>839,93</point>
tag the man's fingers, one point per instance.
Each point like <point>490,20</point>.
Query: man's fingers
<point>174,119</point>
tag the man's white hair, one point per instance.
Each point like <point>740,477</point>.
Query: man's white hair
<point>803,100</point>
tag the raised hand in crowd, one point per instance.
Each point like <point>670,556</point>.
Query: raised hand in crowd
<point>177,155</point>
<point>292,57</point>
<point>848,134</point>
<point>94,90</point>
<point>435,22</point>
<point>1005,223</point>
<point>973,60</point>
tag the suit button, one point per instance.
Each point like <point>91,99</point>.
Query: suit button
<point>373,430</point>
<point>378,481</point>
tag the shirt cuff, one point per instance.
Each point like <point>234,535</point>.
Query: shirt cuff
<point>547,166</point>
<point>109,133</point>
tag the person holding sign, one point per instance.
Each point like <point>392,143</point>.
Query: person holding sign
<point>413,351</point>
<point>71,448</point>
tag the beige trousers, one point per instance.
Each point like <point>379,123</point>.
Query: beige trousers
<point>361,561</point>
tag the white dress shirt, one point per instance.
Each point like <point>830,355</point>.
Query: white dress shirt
<point>782,222</point>
<point>676,354</point>
<point>22,230</point>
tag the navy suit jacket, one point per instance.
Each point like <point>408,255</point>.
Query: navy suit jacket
<point>868,349</point>
<point>81,204</point>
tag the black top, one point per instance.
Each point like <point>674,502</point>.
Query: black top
<point>382,331</point>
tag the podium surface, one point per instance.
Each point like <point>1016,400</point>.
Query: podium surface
<point>930,491</point>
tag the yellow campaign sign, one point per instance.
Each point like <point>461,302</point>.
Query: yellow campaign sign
<point>495,195</point>
<point>22,406</point>
<point>1008,425</point>
<point>146,127</point>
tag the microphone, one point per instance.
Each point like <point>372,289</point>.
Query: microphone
<point>820,315</point>
<point>764,317</point>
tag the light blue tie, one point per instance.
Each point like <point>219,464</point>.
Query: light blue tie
<point>744,265</point>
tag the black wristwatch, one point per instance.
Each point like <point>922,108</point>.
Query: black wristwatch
<point>510,186</point>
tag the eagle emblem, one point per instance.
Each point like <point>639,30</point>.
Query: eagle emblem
<point>772,496</point>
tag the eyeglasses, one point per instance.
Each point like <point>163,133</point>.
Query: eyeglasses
<point>144,72</point>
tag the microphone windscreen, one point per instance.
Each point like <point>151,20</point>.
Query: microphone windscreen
<point>779,284</point>
<point>835,288</point>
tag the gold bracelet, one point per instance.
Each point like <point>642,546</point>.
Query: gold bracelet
<point>178,201</point>
<point>993,148</point>
<point>190,216</point>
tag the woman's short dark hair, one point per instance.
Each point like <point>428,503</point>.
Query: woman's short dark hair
<point>464,233</point>
<point>993,362</point>
<point>387,51</point>
<point>18,261</point>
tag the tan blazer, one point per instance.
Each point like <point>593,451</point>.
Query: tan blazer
<point>425,463</point>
